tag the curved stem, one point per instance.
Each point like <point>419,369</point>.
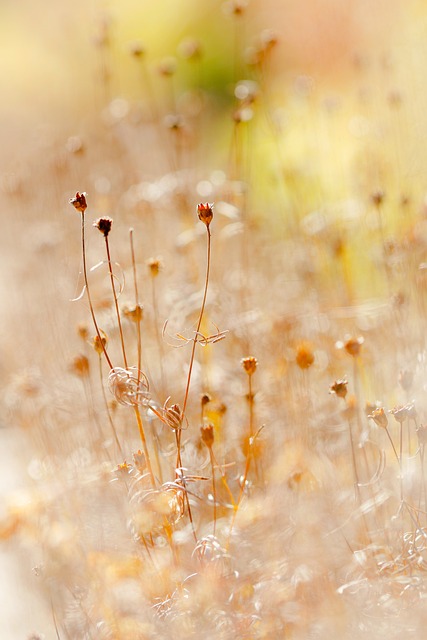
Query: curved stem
<point>116,304</point>
<point>202,309</point>
<point>101,341</point>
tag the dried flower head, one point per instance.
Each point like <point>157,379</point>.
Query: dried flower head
<point>172,416</point>
<point>205,212</point>
<point>401,413</point>
<point>82,331</point>
<point>353,346</point>
<point>379,416</point>
<point>79,202</point>
<point>249,364</point>
<point>134,314</point>
<point>80,366</point>
<point>205,399</point>
<point>136,49</point>
<point>304,356</point>
<point>377,197</point>
<point>100,344</point>
<point>103,225</point>
<point>207,434</point>
<point>339,387</point>
<point>154,265</point>
<point>129,386</point>
<point>139,460</point>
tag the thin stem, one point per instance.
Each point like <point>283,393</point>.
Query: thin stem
<point>110,419</point>
<point>202,309</point>
<point>144,445</point>
<point>116,304</point>
<point>211,457</point>
<point>156,329</point>
<point>135,284</point>
<point>101,341</point>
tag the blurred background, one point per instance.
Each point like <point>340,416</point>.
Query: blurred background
<point>346,103</point>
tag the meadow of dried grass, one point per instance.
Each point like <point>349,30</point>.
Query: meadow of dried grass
<point>213,332</point>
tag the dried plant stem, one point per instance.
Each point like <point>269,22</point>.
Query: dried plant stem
<point>224,480</point>
<point>242,488</point>
<point>116,304</point>
<point>212,461</point>
<point>98,333</point>
<point>138,324</point>
<point>144,445</point>
<point>199,322</point>
<point>156,329</point>
<point>110,419</point>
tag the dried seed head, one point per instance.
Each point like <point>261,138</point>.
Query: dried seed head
<point>80,366</point>
<point>205,213</point>
<point>406,379</point>
<point>136,49</point>
<point>207,434</point>
<point>79,202</point>
<point>205,399</point>
<point>139,460</point>
<point>173,416</point>
<point>103,225</point>
<point>83,331</point>
<point>249,364</point>
<point>400,413</point>
<point>154,265</point>
<point>129,386</point>
<point>134,314</point>
<point>339,387</point>
<point>305,356</point>
<point>353,346</point>
<point>377,197</point>
<point>379,416</point>
<point>100,344</point>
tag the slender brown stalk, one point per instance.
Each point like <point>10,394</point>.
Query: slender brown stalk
<point>199,322</point>
<point>116,304</point>
<point>79,202</point>
<point>137,305</point>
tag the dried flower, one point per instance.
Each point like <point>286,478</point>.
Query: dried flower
<point>377,197</point>
<point>172,416</point>
<point>83,331</point>
<point>205,399</point>
<point>134,314</point>
<point>401,413</point>
<point>154,264</point>
<point>339,387</point>
<point>100,344</point>
<point>207,433</point>
<point>104,225</point>
<point>249,364</point>
<point>79,202</point>
<point>305,356</point>
<point>80,366</point>
<point>379,416</point>
<point>139,460</point>
<point>205,213</point>
<point>136,49</point>
<point>351,345</point>
<point>129,386</point>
